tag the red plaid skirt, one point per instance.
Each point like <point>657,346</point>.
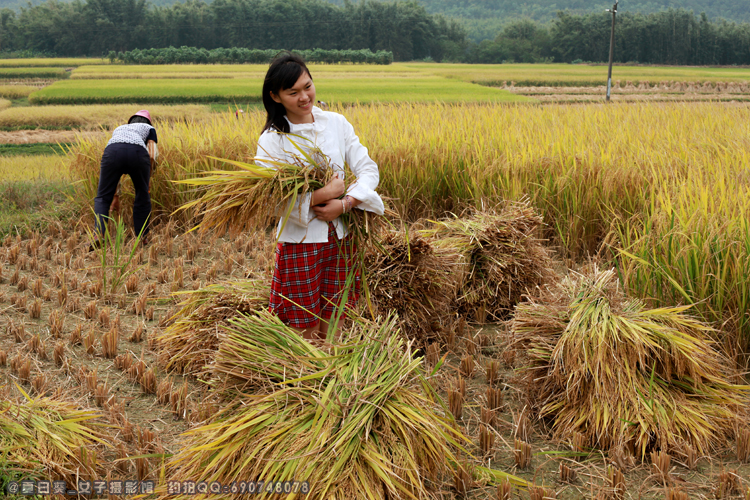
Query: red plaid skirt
<point>309,280</point>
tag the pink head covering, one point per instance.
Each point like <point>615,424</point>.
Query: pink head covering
<point>144,113</point>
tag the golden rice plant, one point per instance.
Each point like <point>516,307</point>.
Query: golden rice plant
<point>355,422</point>
<point>583,337</point>
<point>191,341</point>
<point>668,188</point>
<point>45,437</point>
<point>505,257</point>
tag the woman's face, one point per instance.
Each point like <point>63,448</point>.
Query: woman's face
<point>298,100</point>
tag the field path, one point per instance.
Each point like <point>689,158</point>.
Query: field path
<point>44,136</point>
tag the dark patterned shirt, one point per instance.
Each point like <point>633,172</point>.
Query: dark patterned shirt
<point>133,133</point>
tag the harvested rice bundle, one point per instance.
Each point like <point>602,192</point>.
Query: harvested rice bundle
<point>409,275</point>
<point>191,341</point>
<point>505,257</point>
<point>357,422</point>
<point>49,438</point>
<point>621,375</point>
<point>252,197</point>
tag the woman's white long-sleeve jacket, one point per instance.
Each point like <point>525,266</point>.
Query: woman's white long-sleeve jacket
<point>335,137</point>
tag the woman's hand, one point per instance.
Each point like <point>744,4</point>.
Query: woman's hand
<point>334,189</point>
<point>329,210</point>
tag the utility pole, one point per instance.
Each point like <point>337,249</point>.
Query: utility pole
<point>613,10</point>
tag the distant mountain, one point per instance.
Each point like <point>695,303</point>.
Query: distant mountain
<point>545,10</point>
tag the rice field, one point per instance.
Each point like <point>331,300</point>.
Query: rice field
<point>629,183</point>
<point>33,168</point>
<point>562,75</point>
<point>656,194</point>
<point>16,91</point>
<point>243,90</point>
<point>93,117</point>
<point>45,62</point>
<point>565,75</point>
<point>10,72</point>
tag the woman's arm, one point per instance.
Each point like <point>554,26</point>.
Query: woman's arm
<point>362,192</point>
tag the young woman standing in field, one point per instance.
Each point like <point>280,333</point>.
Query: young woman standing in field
<point>132,151</point>
<point>313,253</point>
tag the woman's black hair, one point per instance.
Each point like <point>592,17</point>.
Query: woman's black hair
<point>285,70</point>
<point>139,119</point>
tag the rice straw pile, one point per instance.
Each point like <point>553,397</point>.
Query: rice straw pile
<point>409,275</point>
<point>48,438</point>
<point>357,422</point>
<point>191,341</point>
<point>505,257</point>
<point>624,376</point>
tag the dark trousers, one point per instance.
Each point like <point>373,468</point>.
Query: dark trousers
<point>119,160</point>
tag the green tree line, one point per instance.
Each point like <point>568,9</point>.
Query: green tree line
<point>546,10</point>
<point>674,36</point>
<point>96,27</point>
<point>403,28</point>
<point>235,55</point>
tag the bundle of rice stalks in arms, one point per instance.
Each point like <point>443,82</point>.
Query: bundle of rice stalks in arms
<point>358,422</point>
<point>192,340</point>
<point>505,258</point>
<point>252,197</point>
<point>48,438</point>
<point>624,376</point>
<point>409,275</point>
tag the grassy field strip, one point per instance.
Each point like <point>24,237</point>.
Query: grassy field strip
<point>33,149</point>
<point>552,74</point>
<point>93,117</point>
<point>16,91</point>
<point>5,104</point>
<point>241,90</point>
<point>578,74</point>
<point>7,73</point>
<point>43,62</point>
<point>231,70</point>
<point>34,168</point>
